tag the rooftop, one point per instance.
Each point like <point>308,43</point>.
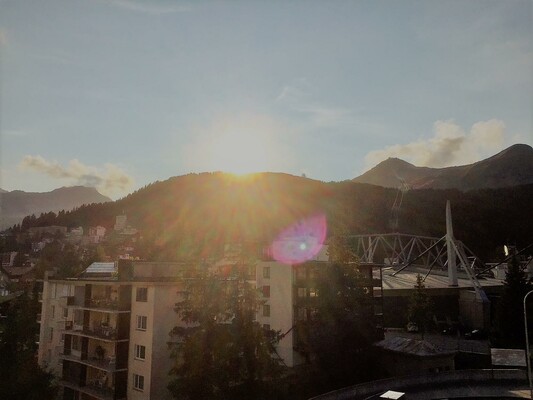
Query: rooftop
<point>419,348</point>
<point>406,280</point>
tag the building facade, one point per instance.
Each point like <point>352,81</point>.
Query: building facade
<point>105,333</point>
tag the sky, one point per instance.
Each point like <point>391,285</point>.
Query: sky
<point>117,94</point>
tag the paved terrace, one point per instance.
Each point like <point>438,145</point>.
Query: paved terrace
<point>460,384</point>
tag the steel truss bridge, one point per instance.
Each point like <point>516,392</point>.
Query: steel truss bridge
<point>402,250</point>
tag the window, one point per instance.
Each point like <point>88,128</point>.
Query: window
<point>65,312</point>
<point>266,310</point>
<point>76,343</point>
<point>141,322</point>
<point>266,272</point>
<point>266,291</point>
<point>142,294</point>
<point>53,312</point>
<point>302,292</point>
<point>138,382</point>
<point>140,352</point>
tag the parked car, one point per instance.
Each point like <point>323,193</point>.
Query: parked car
<point>476,334</point>
<point>451,330</point>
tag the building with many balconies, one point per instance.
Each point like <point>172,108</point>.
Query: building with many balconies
<point>105,333</point>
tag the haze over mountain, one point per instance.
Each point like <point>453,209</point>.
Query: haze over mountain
<point>511,167</point>
<point>17,204</point>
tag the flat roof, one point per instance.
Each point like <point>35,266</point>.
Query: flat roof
<point>406,280</point>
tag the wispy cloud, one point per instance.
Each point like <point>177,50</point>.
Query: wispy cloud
<point>298,97</point>
<point>151,7</point>
<point>450,145</point>
<point>108,180</point>
<point>14,132</point>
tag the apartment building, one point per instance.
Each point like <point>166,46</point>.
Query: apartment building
<point>105,333</point>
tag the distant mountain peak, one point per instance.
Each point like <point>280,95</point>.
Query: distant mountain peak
<point>510,167</point>
<point>17,204</point>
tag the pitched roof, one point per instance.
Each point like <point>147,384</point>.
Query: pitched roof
<point>420,348</point>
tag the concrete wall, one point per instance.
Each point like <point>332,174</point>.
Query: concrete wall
<point>165,298</point>
<point>52,323</point>
<point>474,313</point>
<point>280,302</point>
<point>141,337</point>
<point>161,318</point>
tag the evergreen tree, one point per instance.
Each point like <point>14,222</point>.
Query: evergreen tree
<point>21,377</point>
<point>339,328</point>
<point>222,352</point>
<point>508,329</point>
<point>420,310</point>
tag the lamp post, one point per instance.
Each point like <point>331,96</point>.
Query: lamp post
<point>527,346</point>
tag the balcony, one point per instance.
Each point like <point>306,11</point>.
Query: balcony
<point>102,303</point>
<point>108,364</point>
<point>103,332</point>
<point>98,304</point>
<point>95,388</point>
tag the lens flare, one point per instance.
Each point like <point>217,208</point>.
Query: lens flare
<point>301,241</point>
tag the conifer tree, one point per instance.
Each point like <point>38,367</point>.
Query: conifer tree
<point>508,329</point>
<point>420,306</point>
<point>222,352</point>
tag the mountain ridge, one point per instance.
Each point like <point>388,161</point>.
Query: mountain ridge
<point>512,166</point>
<point>17,204</point>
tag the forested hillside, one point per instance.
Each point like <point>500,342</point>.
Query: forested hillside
<point>195,214</point>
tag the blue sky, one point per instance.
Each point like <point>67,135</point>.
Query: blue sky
<point>120,93</point>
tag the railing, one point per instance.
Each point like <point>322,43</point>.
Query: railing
<point>103,303</point>
<point>99,331</point>
<point>103,363</point>
<point>93,388</point>
<point>98,389</point>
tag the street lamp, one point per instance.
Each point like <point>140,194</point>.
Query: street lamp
<point>527,346</point>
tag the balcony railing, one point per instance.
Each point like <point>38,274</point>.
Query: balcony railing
<point>103,303</point>
<point>104,363</point>
<point>95,389</point>
<point>99,331</point>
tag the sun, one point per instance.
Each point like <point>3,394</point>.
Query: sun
<point>241,152</point>
<point>239,147</point>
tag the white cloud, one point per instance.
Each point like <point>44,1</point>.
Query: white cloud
<point>450,145</point>
<point>108,180</point>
